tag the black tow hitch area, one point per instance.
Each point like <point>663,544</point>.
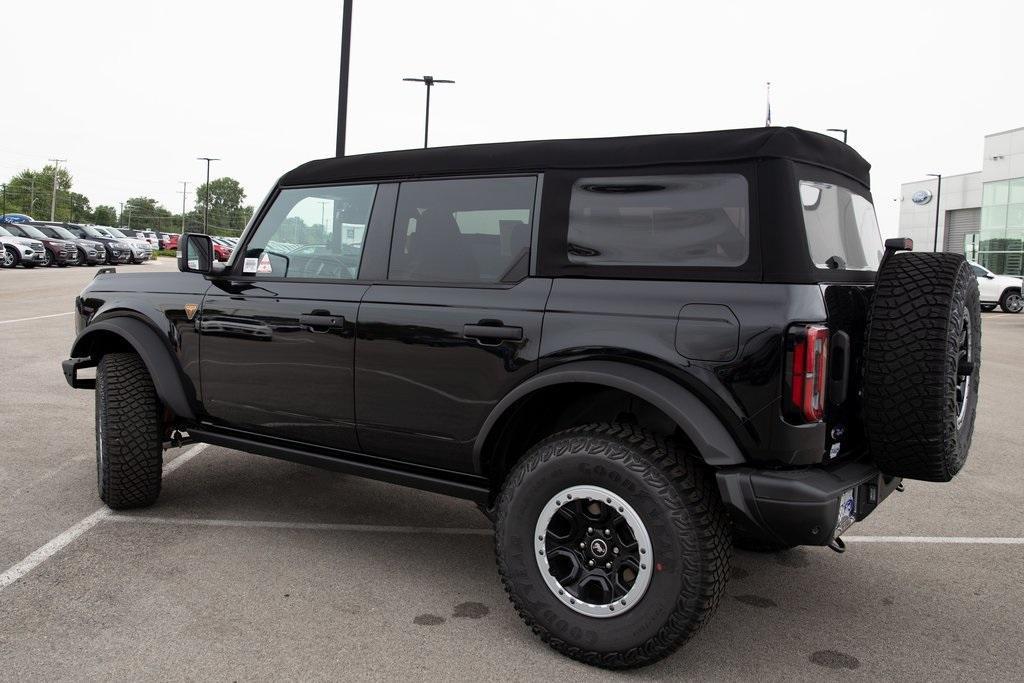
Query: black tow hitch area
<point>837,545</point>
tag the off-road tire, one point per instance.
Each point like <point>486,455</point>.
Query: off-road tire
<point>1006,301</point>
<point>129,452</point>
<point>675,497</point>
<point>911,365</point>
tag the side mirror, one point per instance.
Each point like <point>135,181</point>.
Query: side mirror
<point>195,253</point>
<point>990,276</point>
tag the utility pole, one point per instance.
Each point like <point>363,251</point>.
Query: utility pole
<point>184,193</point>
<point>53,199</point>
<point>346,44</point>
<point>938,200</point>
<point>120,216</point>
<point>428,81</point>
<point>838,130</point>
<point>3,216</point>
<point>32,194</point>
<point>206,196</point>
<point>768,104</point>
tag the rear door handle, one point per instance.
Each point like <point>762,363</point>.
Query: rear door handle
<point>321,321</point>
<point>492,334</point>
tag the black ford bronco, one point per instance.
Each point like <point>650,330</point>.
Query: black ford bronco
<point>632,353</point>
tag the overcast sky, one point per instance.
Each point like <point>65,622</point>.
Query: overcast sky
<point>131,92</point>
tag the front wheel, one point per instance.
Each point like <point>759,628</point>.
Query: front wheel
<point>47,258</point>
<point>11,258</point>
<point>612,546</point>
<point>129,452</point>
<point>1012,302</point>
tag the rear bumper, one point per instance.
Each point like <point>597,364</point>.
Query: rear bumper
<point>801,506</point>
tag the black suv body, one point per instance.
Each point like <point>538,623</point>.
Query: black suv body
<point>458,319</point>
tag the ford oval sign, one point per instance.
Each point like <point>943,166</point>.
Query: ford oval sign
<point>921,197</point>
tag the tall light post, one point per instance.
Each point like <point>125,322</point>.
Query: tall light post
<point>3,216</point>
<point>206,197</point>
<point>53,199</point>
<point>428,81</point>
<point>838,130</point>
<point>938,201</point>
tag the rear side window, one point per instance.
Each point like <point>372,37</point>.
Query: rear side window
<point>660,220</point>
<point>469,230</point>
<point>842,232</point>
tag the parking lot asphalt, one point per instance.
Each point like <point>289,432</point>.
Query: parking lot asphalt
<point>252,568</point>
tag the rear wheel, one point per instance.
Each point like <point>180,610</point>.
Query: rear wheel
<point>612,546</point>
<point>129,451</point>
<point>1012,302</point>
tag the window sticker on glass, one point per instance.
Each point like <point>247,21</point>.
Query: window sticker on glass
<point>249,266</point>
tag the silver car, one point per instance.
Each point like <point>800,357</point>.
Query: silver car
<point>21,250</point>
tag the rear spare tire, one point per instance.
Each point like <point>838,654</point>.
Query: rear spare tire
<point>921,365</point>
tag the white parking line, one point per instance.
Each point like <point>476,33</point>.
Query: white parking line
<point>958,540</point>
<point>59,542</point>
<point>312,526</point>
<point>38,317</point>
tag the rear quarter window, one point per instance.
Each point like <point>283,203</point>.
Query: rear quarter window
<point>696,220</point>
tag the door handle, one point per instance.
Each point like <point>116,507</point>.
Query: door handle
<point>321,321</point>
<point>492,333</point>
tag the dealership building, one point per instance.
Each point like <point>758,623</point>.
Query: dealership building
<point>980,214</point>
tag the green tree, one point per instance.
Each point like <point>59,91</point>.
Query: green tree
<point>228,214</point>
<point>104,215</point>
<point>30,192</point>
<point>144,213</point>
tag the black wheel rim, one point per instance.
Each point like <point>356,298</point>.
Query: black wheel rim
<point>964,367</point>
<point>593,551</point>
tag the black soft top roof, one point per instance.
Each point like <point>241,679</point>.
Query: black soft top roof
<point>638,150</point>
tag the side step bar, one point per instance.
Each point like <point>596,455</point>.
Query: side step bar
<point>467,486</point>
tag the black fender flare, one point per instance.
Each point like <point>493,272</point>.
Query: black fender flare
<point>155,354</point>
<point>714,443</point>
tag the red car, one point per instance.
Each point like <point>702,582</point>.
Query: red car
<point>171,241</point>
<point>221,250</point>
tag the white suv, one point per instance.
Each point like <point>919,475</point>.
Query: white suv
<point>998,289</point>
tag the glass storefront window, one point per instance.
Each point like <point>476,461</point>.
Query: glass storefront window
<point>1015,216</point>
<point>993,218</point>
<point>995,194</point>
<point>1016,193</point>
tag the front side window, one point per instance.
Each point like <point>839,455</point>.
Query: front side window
<point>842,233</point>
<point>455,231</point>
<point>700,220</point>
<point>28,231</point>
<point>315,232</point>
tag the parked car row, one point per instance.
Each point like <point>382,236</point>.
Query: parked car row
<point>50,243</point>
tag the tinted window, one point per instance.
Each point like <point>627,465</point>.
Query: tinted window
<point>312,233</point>
<point>678,220</point>
<point>475,230</point>
<point>842,232</point>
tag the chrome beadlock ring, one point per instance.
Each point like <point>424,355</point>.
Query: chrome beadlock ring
<point>593,551</point>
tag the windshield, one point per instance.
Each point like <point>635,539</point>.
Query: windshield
<point>28,231</point>
<point>91,231</point>
<point>842,232</point>
<point>58,232</point>
<point>114,232</point>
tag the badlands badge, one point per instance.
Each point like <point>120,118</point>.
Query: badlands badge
<point>190,310</point>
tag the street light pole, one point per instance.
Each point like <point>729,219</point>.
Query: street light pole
<point>938,201</point>
<point>206,196</point>
<point>428,81</point>
<point>346,43</point>
<point>838,130</point>
<point>3,216</point>
<point>53,199</point>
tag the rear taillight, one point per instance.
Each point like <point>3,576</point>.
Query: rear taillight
<point>809,363</point>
